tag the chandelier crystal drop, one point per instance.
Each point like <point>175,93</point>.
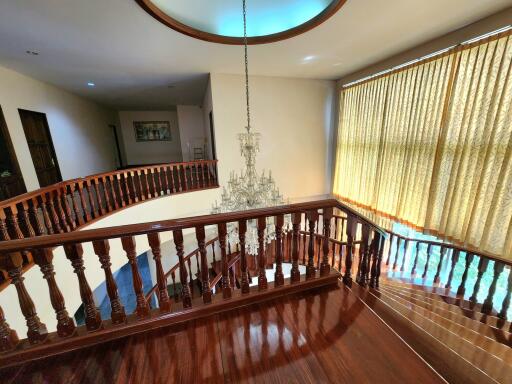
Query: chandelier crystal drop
<point>250,190</point>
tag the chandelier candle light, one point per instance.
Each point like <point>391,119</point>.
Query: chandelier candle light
<point>248,190</point>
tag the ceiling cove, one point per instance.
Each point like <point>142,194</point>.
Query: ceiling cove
<point>221,21</point>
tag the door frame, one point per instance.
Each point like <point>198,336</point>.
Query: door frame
<point>50,139</point>
<point>10,147</point>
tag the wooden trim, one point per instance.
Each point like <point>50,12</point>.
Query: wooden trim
<point>178,26</point>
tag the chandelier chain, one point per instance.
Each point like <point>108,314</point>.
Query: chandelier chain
<point>246,67</point>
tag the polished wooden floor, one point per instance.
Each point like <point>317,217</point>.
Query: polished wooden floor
<point>324,336</point>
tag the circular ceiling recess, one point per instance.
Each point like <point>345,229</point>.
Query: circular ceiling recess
<point>221,21</point>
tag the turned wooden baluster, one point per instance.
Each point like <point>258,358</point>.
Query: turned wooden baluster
<point>185,169</point>
<point>455,259</point>
<point>205,276</point>
<point>61,210</point>
<point>24,219</point>
<point>416,257</point>
<point>67,209</point>
<point>389,249</point>
<point>102,249</point>
<point>92,204</point>
<point>468,259</point>
<point>4,233</point>
<point>65,325</point>
<point>8,337</point>
<point>41,202</point>
<point>397,252</point>
<point>242,229</point>
<point>364,250</point>
<point>506,300</point>
<point>163,296</point>
<point>120,188</point>
<point>87,215</point>
<point>406,249</point>
<point>76,209</point>
<point>429,252</point>
<point>151,176</point>
<point>487,305</point>
<point>170,179</point>
<point>176,171</point>
<point>106,191</point>
<point>126,184</point>
<point>99,200</point>
<point>262,259</point>
<point>178,242</point>
<point>38,226</point>
<point>164,182</point>
<point>377,259</point>
<point>325,267</point>
<point>295,273</point>
<point>482,267</point>
<point>312,217</point>
<point>74,253</point>
<point>174,289</point>
<point>12,264</point>
<point>279,276</point>
<point>141,185</point>
<point>13,224</point>
<point>350,231</point>
<point>134,187</point>
<point>142,309</point>
<point>226,288</point>
<point>437,277</point>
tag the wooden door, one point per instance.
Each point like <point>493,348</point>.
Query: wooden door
<point>41,147</point>
<point>11,181</point>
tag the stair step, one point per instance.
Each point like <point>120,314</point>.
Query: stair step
<point>483,318</point>
<point>447,362</point>
<point>443,294</point>
<point>494,341</point>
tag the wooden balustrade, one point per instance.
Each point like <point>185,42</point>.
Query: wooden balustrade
<point>441,260</point>
<point>72,204</point>
<point>234,279</point>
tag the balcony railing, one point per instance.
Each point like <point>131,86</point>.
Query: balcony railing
<point>312,223</point>
<point>72,204</point>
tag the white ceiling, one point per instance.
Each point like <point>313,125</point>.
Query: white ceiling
<point>133,58</point>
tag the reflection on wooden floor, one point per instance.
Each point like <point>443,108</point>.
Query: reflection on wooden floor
<point>327,335</point>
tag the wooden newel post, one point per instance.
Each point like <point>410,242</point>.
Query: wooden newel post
<point>205,276</point>
<point>12,264</point>
<point>262,257</point>
<point>242,229</point>
<point>325,268</point>
<point>8,337</point>
<point>163,296</point>
<point>102,249</point>
<point>142,309</point>
<point>278,276</point>
<point>74,253</point>
<point>312,217</point>
<point>65,325</point>
<point>295,273</point>
<point>226,286</point>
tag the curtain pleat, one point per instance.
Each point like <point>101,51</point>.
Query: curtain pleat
<point>431,146</point>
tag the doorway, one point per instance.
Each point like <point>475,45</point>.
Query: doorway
<point>11,181</point>
<point>39,139</point>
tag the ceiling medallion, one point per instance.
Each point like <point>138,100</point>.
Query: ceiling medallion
<point>216,21</point>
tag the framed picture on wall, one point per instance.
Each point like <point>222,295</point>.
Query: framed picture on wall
<point>152,130</point>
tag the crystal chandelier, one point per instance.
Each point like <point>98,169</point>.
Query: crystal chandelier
<point>248,190</point>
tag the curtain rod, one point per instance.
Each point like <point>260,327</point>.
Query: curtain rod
<point>467,44</point>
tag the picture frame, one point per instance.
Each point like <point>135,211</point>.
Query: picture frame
<point>152,131</point>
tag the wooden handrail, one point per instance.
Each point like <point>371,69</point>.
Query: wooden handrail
<point>73,204</point>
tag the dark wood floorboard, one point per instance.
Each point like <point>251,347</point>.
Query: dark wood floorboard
<point>324,336</point>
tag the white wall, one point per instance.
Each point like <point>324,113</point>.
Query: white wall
<point>207,108</point>
<point>150,152</point>
<point>294,118</point>
<point>192,130</point>
<point>83,142</point>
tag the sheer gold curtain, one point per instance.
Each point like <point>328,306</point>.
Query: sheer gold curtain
<point>431,146</point>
